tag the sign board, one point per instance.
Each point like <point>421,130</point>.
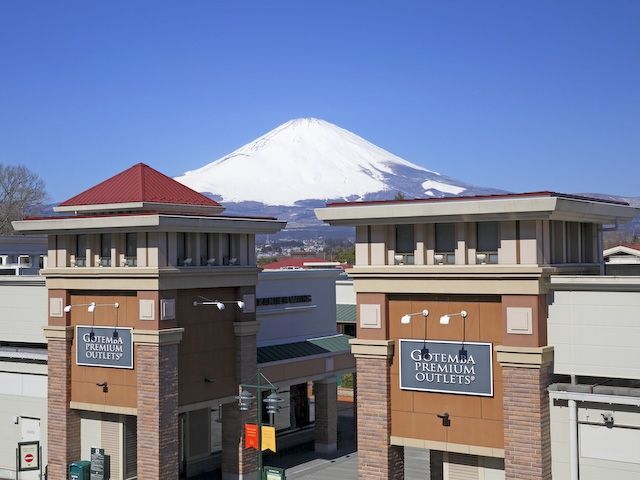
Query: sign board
<point>438,366</point>
<point>104,347</point>
<point>97,463</point>
<point>274,473</point>
<point>29,455</point>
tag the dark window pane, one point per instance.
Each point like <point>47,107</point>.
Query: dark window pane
<point>404,239</point>
<point>445,237</point>
<point>132,245</point>
<point>487,237</point>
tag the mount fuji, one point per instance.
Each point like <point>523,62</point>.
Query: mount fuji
<point>310,159</point>
<point>306,163</point>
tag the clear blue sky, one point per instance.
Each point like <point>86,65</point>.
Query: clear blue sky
<point>519,95</point>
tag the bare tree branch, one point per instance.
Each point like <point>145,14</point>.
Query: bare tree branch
<point>22,194</point>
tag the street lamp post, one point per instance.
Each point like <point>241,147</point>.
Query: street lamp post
<point>244,404</point>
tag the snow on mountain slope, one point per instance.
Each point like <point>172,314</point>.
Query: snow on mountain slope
<point>307,159</point>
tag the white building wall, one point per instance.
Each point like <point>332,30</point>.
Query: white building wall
<point>286,323</point>
<point>595,333</point>
<point>611,453</point>
<point>345,294</point>
<point>23,376</point>
<point>594,327</point>
<point>23,309</point>
<point>23,396</point>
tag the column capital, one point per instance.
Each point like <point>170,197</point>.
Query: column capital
<point>524,357</point>
<point>54,332</point>
<point>244,329</point>
<point>362,348</point>
<point>169,336</point>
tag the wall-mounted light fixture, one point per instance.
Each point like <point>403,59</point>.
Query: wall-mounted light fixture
<point>104,386</point>
<point>445,319</point>
<point>92,308</point>
<point>608,419</point>
<point>407,319</point>
<point>209,380</point>
<point>218,303</point>
<point>211,261</point>
<point>445,419</point>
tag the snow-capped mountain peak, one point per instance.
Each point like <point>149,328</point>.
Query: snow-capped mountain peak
<point>308,158</point>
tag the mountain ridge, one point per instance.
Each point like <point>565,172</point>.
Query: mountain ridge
<point>317,160</point>
<point>306,163</point>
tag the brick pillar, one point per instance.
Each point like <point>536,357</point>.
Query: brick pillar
<point>237,461</point>
<point>326,427</point>
<point>377,458</point>
<point>157,376</point>
<point>63,433</point>
<point>526,374</point>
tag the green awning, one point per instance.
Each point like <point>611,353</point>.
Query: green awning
<point>314,346</point>
<point>346,313</point>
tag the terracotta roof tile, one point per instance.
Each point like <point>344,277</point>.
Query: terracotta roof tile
<point>139,183</point>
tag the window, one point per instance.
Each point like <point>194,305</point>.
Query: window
<point>181,243</point>
<point>574,242</point>
<point>445,243</point>
<point>589,240</point>
<point>131,250</point>
<point>206,253</point>
<point>225,248</point>
<point>557,241</point>
<point>488,241</point>
<point>81,250</point>
<point>405,244</point>
<point>105,250</point>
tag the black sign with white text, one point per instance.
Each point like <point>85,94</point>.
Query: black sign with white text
<point>446,367</point>
<point>104,347</point>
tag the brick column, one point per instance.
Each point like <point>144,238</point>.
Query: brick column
<point>63,433</point>
<point>377,458</point>
<point>157,376</point>
<point>237,461</point>
<point>326,427</point>
<point>526,373</point>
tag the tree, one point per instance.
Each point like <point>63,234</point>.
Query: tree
<point>22,194</point>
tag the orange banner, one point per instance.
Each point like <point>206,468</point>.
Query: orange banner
<point>251,436</point>
<point>269,438</point>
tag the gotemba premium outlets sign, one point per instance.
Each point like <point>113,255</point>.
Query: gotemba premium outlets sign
<point>104,347</point>
<point>446,367</point>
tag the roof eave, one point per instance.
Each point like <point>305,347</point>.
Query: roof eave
<point>516,208</point>
<point>149,223</point>
<point>139,206</point>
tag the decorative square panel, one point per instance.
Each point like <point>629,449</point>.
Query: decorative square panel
<point>168,309</point>
<point>56,307</point>
<point>147,309</point>
<point>370,316</point>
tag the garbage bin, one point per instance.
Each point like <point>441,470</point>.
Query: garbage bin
<point>80,470</point>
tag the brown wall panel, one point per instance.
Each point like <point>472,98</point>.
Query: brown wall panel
<point>475,420</point>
